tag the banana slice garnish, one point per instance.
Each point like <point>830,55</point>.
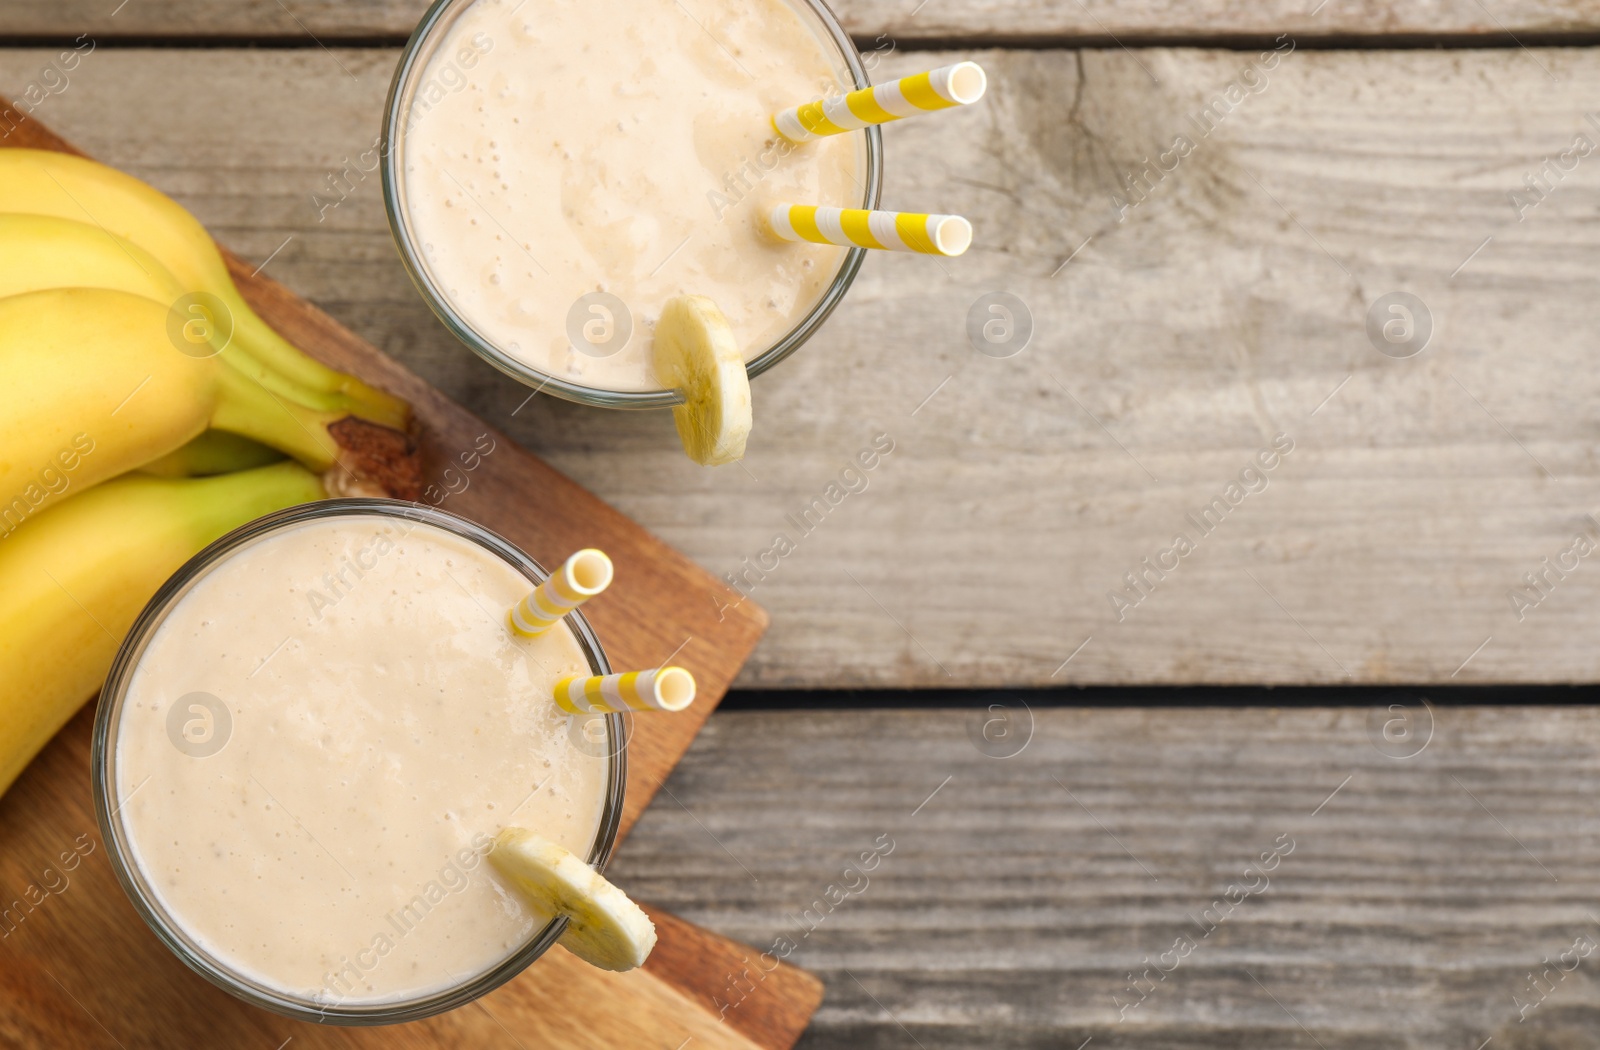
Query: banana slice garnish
<point>604,927</point>
<point>697,355</point>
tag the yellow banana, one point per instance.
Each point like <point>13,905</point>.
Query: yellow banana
<point>697,355</point>
<point>76,577</point>
<point>42,182</point>
<point>47,251</point>
<point>214,452</point>
<point>94,387</point>
<point>44,251</point>
<point>604,927</point>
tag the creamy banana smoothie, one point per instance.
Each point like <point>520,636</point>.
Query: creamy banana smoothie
<point>559,148</point>
<point>320,742</point>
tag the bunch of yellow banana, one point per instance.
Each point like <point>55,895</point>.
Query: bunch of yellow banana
<point>132,370</point>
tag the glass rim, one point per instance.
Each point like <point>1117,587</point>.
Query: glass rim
<point>413,61</point>
<point>102,762</point>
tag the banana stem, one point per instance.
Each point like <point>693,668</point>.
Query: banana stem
<point>249,408</point>
<point>249,364</point>
<point>342,392</point>
<point>213,452</point>
<point>219,504</point>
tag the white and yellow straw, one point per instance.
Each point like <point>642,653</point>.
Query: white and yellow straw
<point>579,578</point>
<point>660,689</point>
<point>895,231</point>
<point>959,85</point>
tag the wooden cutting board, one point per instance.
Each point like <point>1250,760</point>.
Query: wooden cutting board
<point>79,968</point>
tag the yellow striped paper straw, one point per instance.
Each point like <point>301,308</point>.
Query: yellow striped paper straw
<point>580,578</point>
<point>895,231</point>
<point>959,85</point>
<point>661,689</point>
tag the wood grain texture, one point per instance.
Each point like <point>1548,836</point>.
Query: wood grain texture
<point>308,22</point>
<point>777,1007</point>
<point>1408,914</point>
<point>656,610</point>
<point>1230,306</point>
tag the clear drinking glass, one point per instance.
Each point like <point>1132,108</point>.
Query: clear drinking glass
<point>103,763</point>
<point>430,32</point>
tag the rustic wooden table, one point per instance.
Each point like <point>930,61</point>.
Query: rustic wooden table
<point>1109,884</point>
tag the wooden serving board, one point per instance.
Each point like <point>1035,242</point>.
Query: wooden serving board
<point>79,968</point>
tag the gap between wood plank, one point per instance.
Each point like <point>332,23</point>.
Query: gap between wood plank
<point>1019,42</point>
<point>1155,696</point>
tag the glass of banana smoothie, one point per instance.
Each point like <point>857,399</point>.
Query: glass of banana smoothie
<point>309,742</point>
<point>556,170</point>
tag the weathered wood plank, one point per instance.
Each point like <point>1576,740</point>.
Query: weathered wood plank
<point>1230,306</point>
<point>975,21</point>
<point>1418,894</point>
